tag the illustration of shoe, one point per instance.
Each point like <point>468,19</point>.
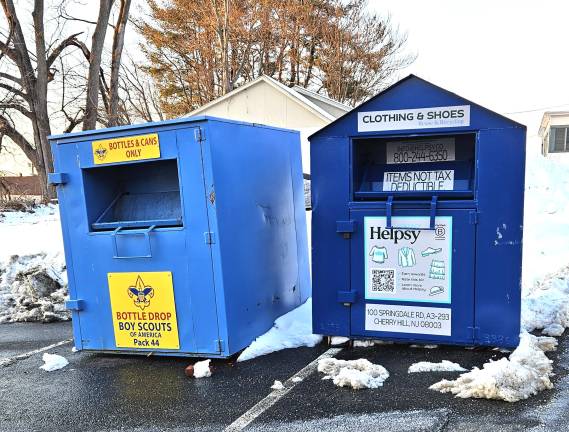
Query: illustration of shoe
<point>437,270</point>
<point>431,251</point>
<point>436,290</point>
<point>406,257</point>
<point>378,254</point>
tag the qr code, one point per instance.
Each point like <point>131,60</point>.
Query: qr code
<point>382,280</point>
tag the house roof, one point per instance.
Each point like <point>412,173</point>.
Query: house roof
<point>545,119</point>
<point>297,94</point>
<point>401,82</point>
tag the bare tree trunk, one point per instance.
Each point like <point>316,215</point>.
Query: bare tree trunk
<point>42,129</point>
<point>98,40</point>
<point>118,43</point>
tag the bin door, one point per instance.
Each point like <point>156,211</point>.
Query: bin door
<point>140,286</point>
<point>413,279</point>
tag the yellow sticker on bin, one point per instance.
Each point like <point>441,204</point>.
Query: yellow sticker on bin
<point>124,149</point>
<point>144,310</point>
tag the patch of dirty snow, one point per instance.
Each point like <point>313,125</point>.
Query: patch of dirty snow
<point>277,385</point>
<point>33,280</point>
<point>357,374</point>
<point>53,362</point>
<point>297,379</point>
<point>525,373</point>
<point>202,369</point>
<point>33,288</point>
<point>546,306</point>
<point>291,330</point>
<point>443,366</point>
<point>338,340</point>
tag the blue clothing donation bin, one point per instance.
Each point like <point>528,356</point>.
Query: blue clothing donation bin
<point>184,237</point>
<point>417,198</point>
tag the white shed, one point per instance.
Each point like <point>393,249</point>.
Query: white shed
<point>267,101</point>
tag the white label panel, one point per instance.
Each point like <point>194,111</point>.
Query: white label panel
<point>408,319</point>
<point>420,118</point>
<point>409,181</point>
<point>420,151</point>
<point>406,263</point>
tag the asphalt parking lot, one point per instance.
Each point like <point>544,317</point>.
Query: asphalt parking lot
<point>102,392</point>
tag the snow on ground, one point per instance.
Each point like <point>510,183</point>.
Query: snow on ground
<point>292,330</point>
<point>443,366</point>
<point>277,385</point>
<point>53,362</point>
<point>202,369</point>
<point>525,373</point>
<point>357,374</point>
<point>33,281</point>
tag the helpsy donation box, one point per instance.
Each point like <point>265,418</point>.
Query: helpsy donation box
<point>417,199</point>
<point>185,237</point>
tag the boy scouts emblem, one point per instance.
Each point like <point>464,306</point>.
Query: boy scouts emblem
<point>141,293</point>
<point>101,152</point>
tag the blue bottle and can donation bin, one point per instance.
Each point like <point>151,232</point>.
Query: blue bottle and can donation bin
<point>185,237</point>
<point>417,200</point>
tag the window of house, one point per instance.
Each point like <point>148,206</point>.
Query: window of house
<point>559,139</point>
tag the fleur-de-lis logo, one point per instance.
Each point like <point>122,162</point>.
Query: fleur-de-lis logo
<point>141,293</point>
<point>101,152</point>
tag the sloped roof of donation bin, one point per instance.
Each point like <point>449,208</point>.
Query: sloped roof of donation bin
<point>413,92</point>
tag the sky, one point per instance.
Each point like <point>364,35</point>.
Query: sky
<point>506,55</point>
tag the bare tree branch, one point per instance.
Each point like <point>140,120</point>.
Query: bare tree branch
<point>69,41</point>
<point>11,78</point>
<point>15,91</point>
<point>17,107</point>
<point>7,129</point>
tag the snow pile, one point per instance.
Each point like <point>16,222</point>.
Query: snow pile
<point>546,225</point>
<point>547,305</point>
<point>277,385</point>
<point>545,302</point>
<point>202,369</point>
<point>53,362</point>
<point>33,282</point>
<point>292,330</point>
<point>357,374</point>
<point>444,366</point>
<point>33,288</point>
<point>525,373</point>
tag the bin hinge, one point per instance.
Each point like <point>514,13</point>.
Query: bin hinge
<point>74,305</point>
<point>346,297</point>
<point>55,179</point>
<point>346,228</point>
<point>209,237</point>
<point>219,345</point>
<point>474,217</point>
<point>199,134</point>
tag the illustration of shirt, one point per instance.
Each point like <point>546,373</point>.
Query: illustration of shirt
<point>378,254</point>
<point>437,270</point>
<point>406,257</point>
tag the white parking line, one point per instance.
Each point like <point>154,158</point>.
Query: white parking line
<point>273,397</point>
<point>9,360</point>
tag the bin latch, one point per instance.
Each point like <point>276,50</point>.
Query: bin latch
<point>346,228</point>
<point>346,297</point>
<point>56,178</point>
